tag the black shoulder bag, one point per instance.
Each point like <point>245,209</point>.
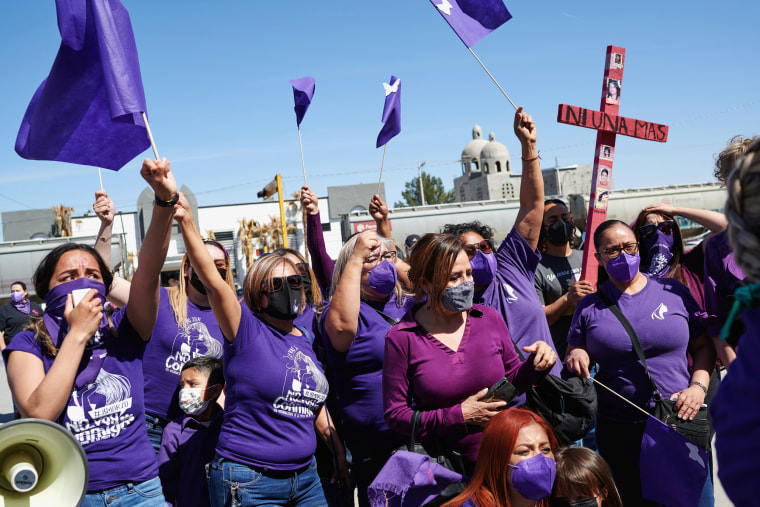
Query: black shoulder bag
<point>696,430</point>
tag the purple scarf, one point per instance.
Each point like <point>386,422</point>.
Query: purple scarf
<point>57,327</point>
<point>22,304</point>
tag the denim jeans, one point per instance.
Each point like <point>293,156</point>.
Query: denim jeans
<point>232,484</point>
<point>142,494</point>
<point>155,431</point>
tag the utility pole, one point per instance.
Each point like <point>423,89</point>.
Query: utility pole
<point>419,174</point>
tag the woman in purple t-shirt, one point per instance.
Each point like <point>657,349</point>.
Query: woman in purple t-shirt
<point>667,322</point>
<point>445,354</point>
<point>275,387</point>
<point>85,371</point>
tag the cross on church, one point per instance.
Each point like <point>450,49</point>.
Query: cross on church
<point>608,124</point>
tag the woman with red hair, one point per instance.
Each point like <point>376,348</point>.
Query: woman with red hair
<point>515,466</point>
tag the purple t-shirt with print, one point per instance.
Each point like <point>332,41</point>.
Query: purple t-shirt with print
<point>664,316</point>
<point>421,370</point>
<point>170,347</point>
<point>513,294</point>
<point>722,277</point>
<point>358,377</point>
<point>107,416</point>
<point>274,389</point>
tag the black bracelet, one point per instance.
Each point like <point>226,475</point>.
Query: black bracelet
<point>700,384</point>
<point>166,204</point>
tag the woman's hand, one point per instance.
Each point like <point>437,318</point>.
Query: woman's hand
<point>341,475</point>
<point>378,210</point>
<point>545,356</point>
<point>182,212</point>
<point>366,244</point>
<point>577,362</point>
<point>309,201</point>
<point>689,402</point>
<point>158,174</point>
<point>85,318</point>
<point>525,128</point>
<point>480,412</point>
<point>104,207</point>
<point>661,208</point>
<point>578,290</point>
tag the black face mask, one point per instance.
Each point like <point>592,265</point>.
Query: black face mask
<point>560,232</point>
<point>198,285</point>
<point>306,282</point>
<point>284,304</point>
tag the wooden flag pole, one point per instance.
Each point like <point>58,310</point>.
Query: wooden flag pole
<point>385,147</point>
<point>300,145</point>
<point>492,78</point>
<point>100,175</point>
<point>150,135</point>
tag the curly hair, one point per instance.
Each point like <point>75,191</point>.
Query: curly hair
<point>726,160</point>
<point>743,212</point>
<point>476,227</point>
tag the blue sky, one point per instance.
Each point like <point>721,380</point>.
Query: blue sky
<point>221,108</point>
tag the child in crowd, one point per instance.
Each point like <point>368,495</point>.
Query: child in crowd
<point>189,441</point>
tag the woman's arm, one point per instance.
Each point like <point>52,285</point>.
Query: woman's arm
<point>44,395</point>
<point>321,263</point>
<point>708,219</point>
<point>379,211</point>
<point>692,398</point>
<point>105,210</point>
<point>342,317</point>
<point>143,293</point>
<point>531,214</point>
<point>326,430</point>
<point>222,298</point>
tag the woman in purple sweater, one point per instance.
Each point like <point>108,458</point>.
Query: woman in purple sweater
<point>446,352</point>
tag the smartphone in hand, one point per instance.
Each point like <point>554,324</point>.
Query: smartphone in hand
<point>503,390</point>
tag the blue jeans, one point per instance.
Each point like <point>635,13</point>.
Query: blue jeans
<point>155,431</point>
<point>232,484</point>
<point>142,494</point>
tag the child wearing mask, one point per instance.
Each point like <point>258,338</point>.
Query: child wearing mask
<point>188,442</point>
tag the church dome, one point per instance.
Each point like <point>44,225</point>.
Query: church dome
<point>473,148</point>
<point>493,149</point>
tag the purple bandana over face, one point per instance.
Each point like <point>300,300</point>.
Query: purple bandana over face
<point>382,278</point>
<point>657,253</point>
<point>19,303</point>
<point>533,478</point>
<point>483,267</point>
<point>624,267</point>
<point>57,327</point>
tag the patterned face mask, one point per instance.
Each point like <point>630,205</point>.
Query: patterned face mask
<point>191,400</point>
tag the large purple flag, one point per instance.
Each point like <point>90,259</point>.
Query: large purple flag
<point>303,92</point>
<point>473,19</point>
<point>88,110</point>
<point>391,112</point>
<point>673,468</point>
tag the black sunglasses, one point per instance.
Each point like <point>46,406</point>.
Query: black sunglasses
<point>277,283</point>
<point>485,246</point>
<point>667,227</point>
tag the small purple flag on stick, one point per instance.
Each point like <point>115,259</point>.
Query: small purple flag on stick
<point>473,19</point>
<point>88,110</point>
<point>673,468</point>
<point>303,92</point>
<point>391,112</point>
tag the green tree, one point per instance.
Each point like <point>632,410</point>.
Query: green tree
<point>434,192</point>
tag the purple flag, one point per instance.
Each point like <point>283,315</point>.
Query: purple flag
<point>473,19</point>
<point>303,92</point>
<point>88,109</point>
<point>673,468</point>
<point>391,112</point>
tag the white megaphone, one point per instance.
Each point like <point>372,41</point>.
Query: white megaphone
<point>41,464</point>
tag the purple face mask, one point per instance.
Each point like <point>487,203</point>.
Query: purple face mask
<point>533,478</point>
<point>17,297</point>
<point>382,278</point>
<point>657,253</point>
<point>483,267</point>
<point>624,267</point>
<point>18,302</point>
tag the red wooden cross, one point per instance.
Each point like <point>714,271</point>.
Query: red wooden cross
<point>608,124</point>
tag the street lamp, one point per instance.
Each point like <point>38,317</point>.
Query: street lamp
<point>419,174</point>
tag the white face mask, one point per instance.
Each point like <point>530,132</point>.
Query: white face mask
<point>191,401</point>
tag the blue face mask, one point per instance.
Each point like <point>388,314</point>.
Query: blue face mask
<point>533,478</point>
<point>483,267</point>
<point>382,278</point>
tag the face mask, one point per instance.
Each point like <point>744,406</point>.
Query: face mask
<point>284,304</point>
<point>560,232</point>
<point>624,267</point>
<point>533,478</point>
<point>382,278</point>
<point>191,402</point>
<point>657,250</point>
<point>459,299</point>
<point>306,282</point>
<point>196,282</point>
<point>17,297</point>
<point>483,267</point>
<point>589,502</point>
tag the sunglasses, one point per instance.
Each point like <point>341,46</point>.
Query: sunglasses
<point>277,283</point>
<point>667,227</point>
<point>485,246</point>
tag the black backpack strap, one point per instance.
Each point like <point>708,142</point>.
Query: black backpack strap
<point>390,320</point>
<point>416,422</point>
<point>634,339</point>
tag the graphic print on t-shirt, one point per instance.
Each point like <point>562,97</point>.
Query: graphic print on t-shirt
<point>193,341</point>
<point>659,312</point>
<point>511,296</point>
<point>305,386</point>
<point>100,410</point>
